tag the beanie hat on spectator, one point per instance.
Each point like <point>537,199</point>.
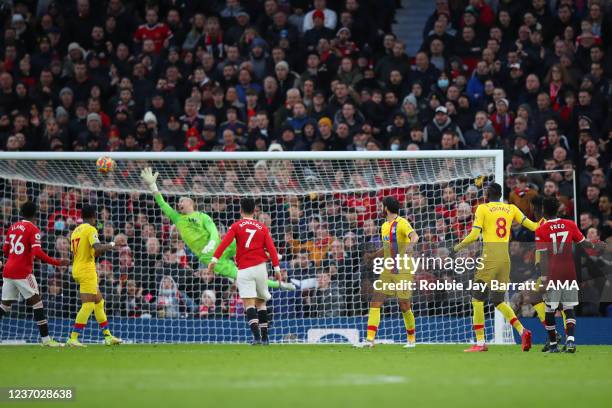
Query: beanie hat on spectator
<point>150,117</point>
<point>343,29</point>
<point>121,108</point>
<point>587,119</point>
<point>282,64</point>
<point>488,128</point>
<point>325,121</point>
<point>472,10</point>
<point>61,111</point>
<point>258,42</point>
<point>242,14</point>
<point>17,18</point>
<point>65,90</point>
<point>526,107</point>
<point>275,147</point>
<point>93,117</point>
<point>318,14</point>
<point>75,46</point>
<point>411,99</point>
<point>442,109</point>
<point>504,101</point>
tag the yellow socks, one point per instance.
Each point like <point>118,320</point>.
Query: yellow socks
<point>509,315</point>
<point>410,325</point>
<point>540,309</point>
<point>478,320</point>
<point>101,317</point>
<point>373,322</point>
<point>81,319</point>
<point>564,320</point>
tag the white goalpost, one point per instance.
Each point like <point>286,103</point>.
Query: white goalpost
<point>321,207</point>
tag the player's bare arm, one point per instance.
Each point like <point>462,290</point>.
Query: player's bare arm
<point>100,248</point>
<point>597,246</point>
<point>376,254</point>
<point>414,239</point>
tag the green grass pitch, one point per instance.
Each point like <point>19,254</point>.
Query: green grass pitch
<point>317,376</point>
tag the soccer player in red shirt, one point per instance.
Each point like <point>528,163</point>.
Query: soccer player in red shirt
<point>253,240</point>
<point>21,246</point>
<point>554,240</point>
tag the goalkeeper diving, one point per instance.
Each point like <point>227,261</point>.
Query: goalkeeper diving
<point>199,232</point>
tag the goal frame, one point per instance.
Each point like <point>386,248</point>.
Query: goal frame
<point>500,326</point>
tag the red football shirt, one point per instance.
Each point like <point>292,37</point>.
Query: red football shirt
<point>21,245</point>
<point>555,238</point>
<point>252,241</point>
<point>158,33</point>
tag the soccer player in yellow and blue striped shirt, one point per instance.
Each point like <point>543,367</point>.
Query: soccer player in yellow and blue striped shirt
<point>493,220</point>
<point>398,238</point>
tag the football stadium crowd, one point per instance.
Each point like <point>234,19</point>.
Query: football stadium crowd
<point>531,77</point>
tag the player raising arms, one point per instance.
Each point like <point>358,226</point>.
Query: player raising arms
<point>554,240</point>
<point>85,247</point>
<point>493,220</point>
<point>21,246</point>
<point>199,232</point>
<point>398,239</point>
<point>253,240</point>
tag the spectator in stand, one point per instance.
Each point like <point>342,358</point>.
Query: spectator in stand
<point>531,78</point>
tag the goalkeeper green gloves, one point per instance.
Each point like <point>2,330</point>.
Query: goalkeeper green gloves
<point>150,179</point>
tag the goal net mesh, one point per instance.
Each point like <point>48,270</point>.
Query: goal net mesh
<point>324,216</point>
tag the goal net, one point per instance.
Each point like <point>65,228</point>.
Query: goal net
<point>323,210</point>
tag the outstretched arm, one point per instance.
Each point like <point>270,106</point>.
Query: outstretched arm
<point>524,221</point>
<point>475,232</point>
<point>598,246</point>
<point>150,179</point>
<point>166,208</point>
<point>472,237</point>
<point>40,254</point>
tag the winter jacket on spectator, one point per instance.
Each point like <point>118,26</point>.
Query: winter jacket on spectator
<point>433,131</point>
<point>473,137</point>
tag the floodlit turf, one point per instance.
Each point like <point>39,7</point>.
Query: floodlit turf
<point>312,376</point>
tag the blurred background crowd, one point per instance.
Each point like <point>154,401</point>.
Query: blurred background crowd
<point>531,77</point>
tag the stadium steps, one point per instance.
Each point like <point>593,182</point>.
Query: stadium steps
<point>410,22</point>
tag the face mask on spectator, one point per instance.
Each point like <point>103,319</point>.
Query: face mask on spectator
<point>442,83</point>
<point>59,225</point>
<point>395,146</point>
